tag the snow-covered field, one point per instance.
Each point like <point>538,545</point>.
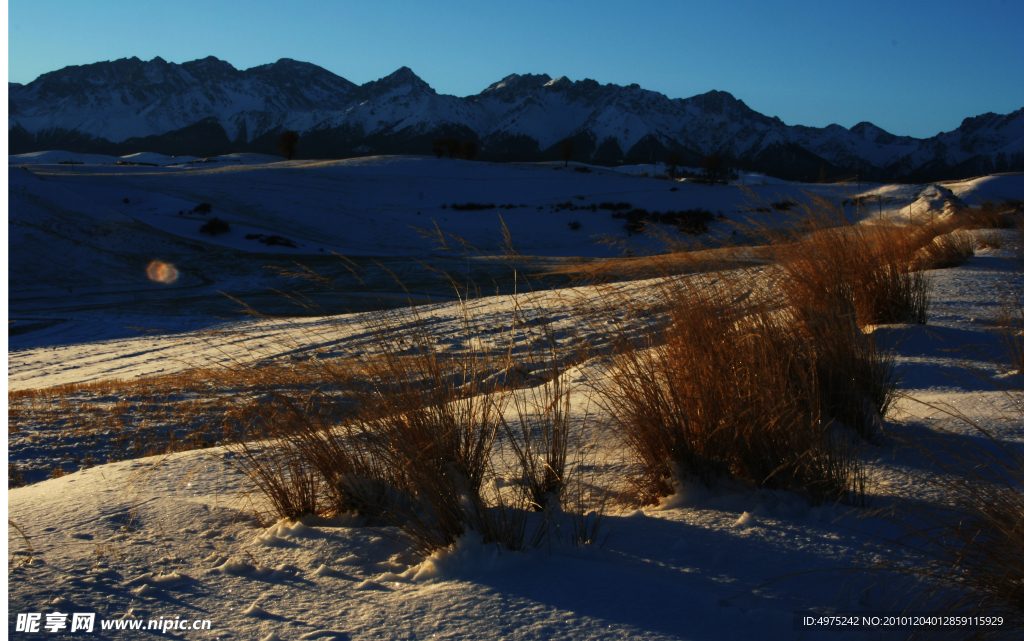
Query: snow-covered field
<point>140,539</point>
<point>101,225</point>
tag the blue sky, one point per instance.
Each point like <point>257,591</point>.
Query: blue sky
<point>912,68</point>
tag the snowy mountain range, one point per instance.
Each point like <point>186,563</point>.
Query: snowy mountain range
<point>207,107</point>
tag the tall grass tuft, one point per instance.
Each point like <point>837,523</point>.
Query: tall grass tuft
<point>946,250</point>
<point>1011,320</point>
<point>992,215</point>
<point>538,434</point>
<point>435,433</point>
<point>765,374</point>
<point>433,418</point>
<point>728,386</point>
<point>275,468</point>
<point>833,265</point>
<point>404,436</point>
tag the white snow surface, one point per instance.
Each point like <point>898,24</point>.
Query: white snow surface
<point>380,205</point>
<point>144,157</point>
<point>102,224</point>
<point>175,537</point>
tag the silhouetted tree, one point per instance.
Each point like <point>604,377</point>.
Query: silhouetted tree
<point>822,176</point>
<point>439,147</point>
<point>452,146</point>
<point>286,144</point>
<point>713,166</point>
<point>673,163</point>
<point>567,150</point>
<point>469,150</point>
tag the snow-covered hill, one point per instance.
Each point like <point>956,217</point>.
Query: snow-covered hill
<point>207,106</point>
<point>82,236</point>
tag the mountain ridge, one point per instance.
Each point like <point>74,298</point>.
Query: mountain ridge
<point>207,106</point>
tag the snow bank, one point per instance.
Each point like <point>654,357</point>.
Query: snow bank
<point>146,157</point>
<point>998,187</point>
<point>55,157</point>
<point>156,159</point>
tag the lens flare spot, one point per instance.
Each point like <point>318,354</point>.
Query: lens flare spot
<point>161,272</point>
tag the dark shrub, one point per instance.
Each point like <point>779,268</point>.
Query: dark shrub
<point>693,221</point>
<point>575,225</point>
<point>687,221</point>
<point>452,146</point>
<point>714,168</point>
<point>471,206</point>
<point>566,150</point>
<point>271,241</point>
<point>215,226</point>
<point>281,241</point>
<point>785,205</point>
<point>693,226</point>
<point>203,208</point>
<point>287,144</point>
<point>673,163</point>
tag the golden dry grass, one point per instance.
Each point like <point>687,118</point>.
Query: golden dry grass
<point>730,386</point>
<point>407,436</point>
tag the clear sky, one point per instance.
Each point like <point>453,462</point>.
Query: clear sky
<point>911,67</point>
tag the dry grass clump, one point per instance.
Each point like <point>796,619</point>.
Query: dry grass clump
<point>538,435</point>
<point>946,250</point>
<point>778,390</point>
<point>989,239</point>
<point>731,386</point>
<point>991,215</point>
<point>1010,320</point>
<point>414,435</point>
<point>14,476</point>
<point>870,266</point>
